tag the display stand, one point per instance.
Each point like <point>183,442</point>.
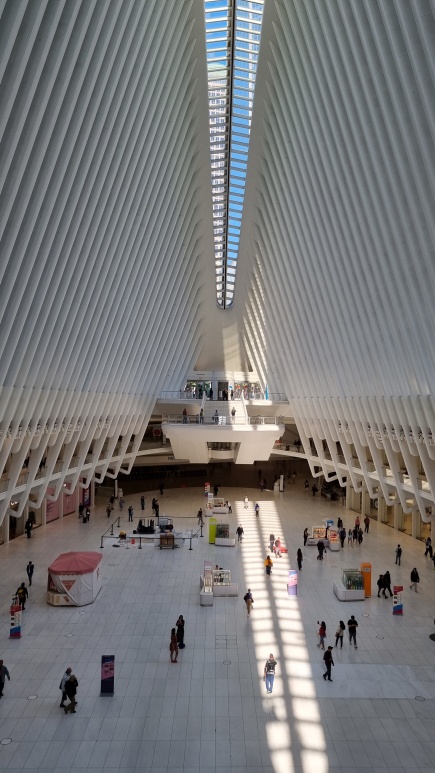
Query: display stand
<point>334,540</point>
<point>351,587</point>
<point>223,536</point>
<point>222,585</point>
<point>317,532</point>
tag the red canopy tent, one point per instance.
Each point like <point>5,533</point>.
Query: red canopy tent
<point>74,579</point>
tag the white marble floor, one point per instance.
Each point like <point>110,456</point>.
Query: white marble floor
<point>210,713</point>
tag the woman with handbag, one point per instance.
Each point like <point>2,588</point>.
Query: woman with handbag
<point>339,634</point>
<point>322,634</point>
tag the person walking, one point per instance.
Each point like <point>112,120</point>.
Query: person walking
<point>4,673</point>
<point>71,685</point>
<point>381,585</point>
<point>257,509</point>
<point>239,532</point>
<point>200,518</point>
<point>305,536</point>
<point>173,646</point>
<point>246,502</point>
<point>63,681</point>
<point>366,524</point>
<point>180,632</point>
<point>268,564</point>
<point>108,509</point>
<point>293,476</point>
<point>306,487</point>
<point>339,634</point>
<point>30,569</point>
<point>271,542</point>
<point>233,415</point>
<point>130,513</point>
<point>201,416</point>
<point>322,634</point>
<point>321,550</point>
<point>269,672</point>
<point>398,554</point>
<point>23,595</point>
<point>121,503</point>
<point>328,659</point>
<point>247,598</point>
<point>349,537</point>
<point>415,579</point>
<point>299,559</point>
<point>28,528</point>
<point>352,625</point>
<point>342,536</point>
<point>277,547</point>
<point>387,584</point>
<point>211,394</point>
<point>142,502</point>
<point>429,548</point>
<point>360,536</point>
<point>314,489</point>
<point>161,487</point>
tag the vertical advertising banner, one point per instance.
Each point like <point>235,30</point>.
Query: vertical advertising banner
<point>397,599</point>
<point>292,583</point>
<point>107,674</point>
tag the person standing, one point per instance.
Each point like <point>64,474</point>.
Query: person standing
<point>211,394</point>
<point>4,673</point>
<point>142,502</point>
<point>246,500</point>
<point>271,542</point>
<point>322,634</point>
<point>201,416</point>
<point>257,509</point>
<point>233,415</point>
<point>387,584</point>
<point>398,554</point>
<point>366,524</point>
<point>239,532</point>
<point>247,598</point>
<point>268,564</point>
<point>342,536</point>
<point>352,625</point>
<point>180,632</point>
<point>30,569</point>
<point>305,536</point>
<point>299,559</point>
<point>28,528</point>
<point>161,487</point>
<point>306,487</point>
<point>71,685</point>
<point>349,537</point>
<point>328,663</point>
<point>339,634</point>
<point>108,510</point>
<point>269,672</point>
<point>23,595</point>
<point>277,547</point>
<point>63,681</point>
<point>200,518</point>
<point>314,489</point>
<point>121,503</point>
<point>294,477</point>
<point>428,547</point>
<point>130,513</point>
<point>415,579</point>
<point>321,550</point>
<point>81,509</point>
<point>173,646</point>
<point>360,536</point>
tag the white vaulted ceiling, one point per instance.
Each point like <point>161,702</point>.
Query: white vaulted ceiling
<point>107,266</point>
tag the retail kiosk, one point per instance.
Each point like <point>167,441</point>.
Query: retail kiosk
<point>351,587</point>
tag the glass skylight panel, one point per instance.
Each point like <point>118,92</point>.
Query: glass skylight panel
<point>233,30</point>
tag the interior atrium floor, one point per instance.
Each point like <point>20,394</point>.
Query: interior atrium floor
<point>209,713</point>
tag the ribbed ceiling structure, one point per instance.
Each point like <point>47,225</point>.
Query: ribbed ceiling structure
<point>107,291</point>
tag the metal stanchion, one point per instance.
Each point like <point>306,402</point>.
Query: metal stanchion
<point>111,530</point>
<point>140,542</point>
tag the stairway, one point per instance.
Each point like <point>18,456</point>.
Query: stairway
<point>224,408</point>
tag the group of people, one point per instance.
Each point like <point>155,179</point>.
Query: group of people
<point>328,660</point>
<point>177,639</point>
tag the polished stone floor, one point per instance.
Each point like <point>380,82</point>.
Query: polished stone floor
<point>210,713</point>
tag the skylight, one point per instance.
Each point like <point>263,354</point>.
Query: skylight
<point>233,29</point>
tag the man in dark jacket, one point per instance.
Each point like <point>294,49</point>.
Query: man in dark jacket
<point>415,579</point>
<point>328,663</point>
<point>71,685</point>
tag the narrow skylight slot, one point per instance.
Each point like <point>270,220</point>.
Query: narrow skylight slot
<point>233,29</point>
